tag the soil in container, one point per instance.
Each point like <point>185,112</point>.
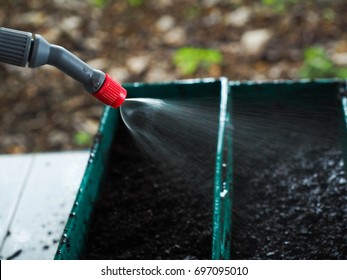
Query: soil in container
<point>152,208</point>
<point>290,192</point>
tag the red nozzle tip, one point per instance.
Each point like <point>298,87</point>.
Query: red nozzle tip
<point>111,93</point>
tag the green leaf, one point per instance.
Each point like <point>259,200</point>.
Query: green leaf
<point>135,3</point>
<point>99,3</point>
<point>279,6</point>
<point>317,64</point>
<point>188,59</point>
<point>342,73</point>
<point>83,138</point>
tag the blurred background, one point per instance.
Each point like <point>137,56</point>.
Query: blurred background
<point>153,41</point>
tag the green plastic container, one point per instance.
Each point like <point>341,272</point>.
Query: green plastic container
<point>74,237</point>
<point>230,95</point>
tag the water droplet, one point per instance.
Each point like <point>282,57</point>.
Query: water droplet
<point>223,193</point>
<point>342,181</point>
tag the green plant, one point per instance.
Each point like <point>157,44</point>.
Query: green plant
<point>135,3</point>
<point>279,5</point>
<point>188,59</point>
<point>191,13</point>
<point>329,14</point>
<point>99,3</point>
<point>82,138</point>
<point>317,64</point>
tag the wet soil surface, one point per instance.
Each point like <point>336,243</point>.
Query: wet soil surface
<point>295,211</point>
<point>290,196</point>
<point>147,211</point>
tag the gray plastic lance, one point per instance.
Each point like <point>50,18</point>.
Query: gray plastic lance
<point>25,49</point>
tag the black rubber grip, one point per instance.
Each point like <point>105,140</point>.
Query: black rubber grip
<point>14,46</point>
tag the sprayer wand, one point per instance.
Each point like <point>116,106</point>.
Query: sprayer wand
<point>25,49</point>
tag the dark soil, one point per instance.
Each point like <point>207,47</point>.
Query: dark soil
<point>147,211</point>
<point>290,193</point>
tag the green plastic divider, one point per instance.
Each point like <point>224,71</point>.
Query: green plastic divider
<point>222,201</point>
<point>343,91</point>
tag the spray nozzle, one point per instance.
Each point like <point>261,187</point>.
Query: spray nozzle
<point>23,48</point>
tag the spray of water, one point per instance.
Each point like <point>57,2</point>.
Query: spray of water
<point>180,136</point>
<point>287,162</point>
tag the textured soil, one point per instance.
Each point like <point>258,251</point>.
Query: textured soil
<point>294,211</point>
<point>149,212</point>
<point>290,186</point>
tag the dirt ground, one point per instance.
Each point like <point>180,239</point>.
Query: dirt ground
<point>44,110</point>
<point>165,215</point>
